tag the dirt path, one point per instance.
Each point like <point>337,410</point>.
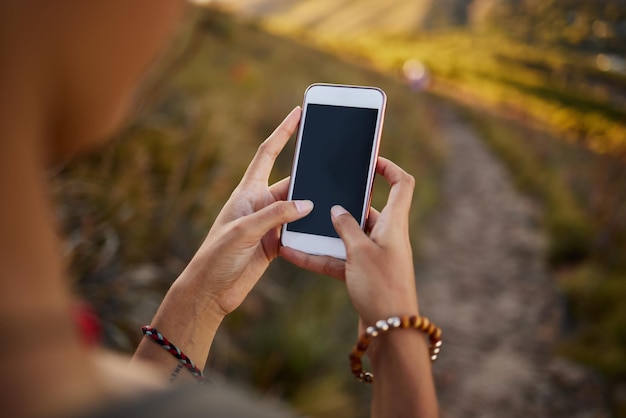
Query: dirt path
<point>483,279</point>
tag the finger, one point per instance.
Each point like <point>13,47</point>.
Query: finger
<point>256,225</point>
<point>347,227</point>
<point>280,189</point>
<point>372,218</point>
<point>263,160</point>
<point>328,266</point>
<point>402,186</point>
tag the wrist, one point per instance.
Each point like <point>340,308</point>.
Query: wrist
<point>395,347</point>
<point>386,295</point>
<point>200,284</point>
<point>374,312</point>
<point>189,321</point>
<point>183,302</point>
<point>390,343</point>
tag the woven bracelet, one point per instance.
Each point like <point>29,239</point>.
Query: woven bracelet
<point>158,338</point>
<point>404,322</point>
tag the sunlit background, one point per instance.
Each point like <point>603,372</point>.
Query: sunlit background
<point>511,114</point>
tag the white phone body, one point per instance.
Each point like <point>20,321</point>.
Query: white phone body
<point>334,162</point>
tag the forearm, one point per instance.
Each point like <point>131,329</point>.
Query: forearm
<point>403,384</point>
<point>188,321</point>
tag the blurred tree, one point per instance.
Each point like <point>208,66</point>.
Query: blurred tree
<point>597,26</point>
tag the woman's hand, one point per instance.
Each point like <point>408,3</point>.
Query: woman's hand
<point>245,235</point>
<point>380,280</point>
<point>232,258</point>
<point>378,270</point>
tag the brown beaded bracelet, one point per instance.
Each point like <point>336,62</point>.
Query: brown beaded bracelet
<point>416,322</point>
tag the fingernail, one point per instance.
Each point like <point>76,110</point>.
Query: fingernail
<point>337,211</point>
<point>303,206</point>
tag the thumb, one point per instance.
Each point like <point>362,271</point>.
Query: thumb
<point>259,223</point>
<point>346,226</point>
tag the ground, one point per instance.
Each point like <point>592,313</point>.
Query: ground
<point>484,279</point>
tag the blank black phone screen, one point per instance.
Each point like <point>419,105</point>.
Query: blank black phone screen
<point>333,165</point>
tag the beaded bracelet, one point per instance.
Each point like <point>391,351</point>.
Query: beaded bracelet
<point>158,338</point>
<point>416,322</point>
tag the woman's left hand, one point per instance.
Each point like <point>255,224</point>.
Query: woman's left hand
<point>245,236</point>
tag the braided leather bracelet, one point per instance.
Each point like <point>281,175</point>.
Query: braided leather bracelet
<point>158,338</point>
<point>416,322</point>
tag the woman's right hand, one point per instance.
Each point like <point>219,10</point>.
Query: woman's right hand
<point>378,270</point>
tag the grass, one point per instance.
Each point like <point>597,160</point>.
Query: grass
<point>559,87</point>
<point>596,299</point>
<point>135,212</point>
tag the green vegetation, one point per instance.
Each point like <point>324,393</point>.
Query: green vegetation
<point>591,26</point>
<point>597,301</point>
<point>135,213</point>
<point>548,60</point>
<point>560,88</point>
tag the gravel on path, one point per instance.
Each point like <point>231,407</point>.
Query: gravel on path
<point>483,278</point>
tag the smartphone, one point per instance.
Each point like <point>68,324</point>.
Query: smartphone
<point>334,162</point>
